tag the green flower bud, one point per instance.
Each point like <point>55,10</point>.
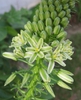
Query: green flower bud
<point>43,34</point>
<point>65,21</point>
<point>56,21</point>
<point>72,4</point>
<point>29,25</point>
<point>62,34</point>
<point>45,8</point>
<point>50,2</point>
<point>44,2</point>
<point>62,14</point>
<point>48,22</point>
<point>27,29</point>
<point>59,8</point>
<point>66,6</point>
<point>37,13</point>
<point>65,1</point>
<point>48,30</point>
<point>47,14</point>
<point>35,18</point>
<point>57,29</point>
<point>55,43</point>
<point>53,15</point>
<point>41,25</point>
<point>57,3</point>
<point>41,15</point>
<point>51,8</point>
<point>68,11</point>
<point>40,7</point>
<point>35,26</point>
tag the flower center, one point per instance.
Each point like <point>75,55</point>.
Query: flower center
<point>36,49</point>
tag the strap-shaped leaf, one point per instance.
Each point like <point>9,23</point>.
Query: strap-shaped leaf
<point>50,66</point>
<point>25,79</point>
<point>63,85</point>
<point>49,89</point>
<point>10,79</point>
<point>45,77</point>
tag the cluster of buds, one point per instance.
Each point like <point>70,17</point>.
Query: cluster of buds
<point>43,41</point>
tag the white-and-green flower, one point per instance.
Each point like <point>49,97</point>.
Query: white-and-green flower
<point>36,49</point>
<point>59,55</point>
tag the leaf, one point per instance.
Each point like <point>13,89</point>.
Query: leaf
<point>25,79</point>
<point>11,31</point>
<point>49,89</point>
<point>10,79</point>
<point>63,85</point>
<point>45,77</point>
<point>3,33</point>
<point>50,66</point>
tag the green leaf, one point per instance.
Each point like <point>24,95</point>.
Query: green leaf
<point>63,85</point>
<point>11,31</point>
<point>50,66</point>
<point>3,33</point>
<point>25,79</point>
<point>10,79</point>
<point>49,89</point>
<point>45,77</point>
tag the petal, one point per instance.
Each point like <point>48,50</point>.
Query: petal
<point>50,66</point>
<point>9,55</point>
<point>45,77</point>
<point>48,57</point>
<point>28,54</point>
<point>30,49</point>
<point>40,43</point>
<point>46,49</point>
<point>63,85</point>
<point>60,62</point>
<point>33,58</point>
<point>31,42</point>
<point>40,54</point>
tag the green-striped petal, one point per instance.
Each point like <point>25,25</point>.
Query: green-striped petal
<point>46,49</point>
<point>50,66</point>
<point>33,58</point>
<point>40,54</point>
<point>40,43</point>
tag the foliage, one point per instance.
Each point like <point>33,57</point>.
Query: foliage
<point>78,10</point>
<point>10,24</point>
<point>41,46</point>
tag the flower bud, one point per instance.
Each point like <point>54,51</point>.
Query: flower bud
<point>45,8</point>
<point>61,35</point>
<point>53,15</point>
<point>56,21</point>
<point>48,22</point>
<point>57,29</point>
<point>65,21</point>
<point>43,34</point>
<point>47,14</point>
<point>62,14</point>
<point>51,8</point>
<point>48,30</point>
<point>41,15</point>
<point>59,8</point>
<point>41,25</point>
<point>35,26</point>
